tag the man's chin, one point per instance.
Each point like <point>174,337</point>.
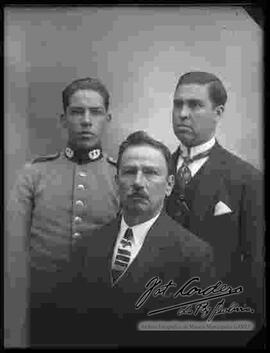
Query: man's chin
<point>87,145</point>
<point>137,208</point>
<point>186,139</point>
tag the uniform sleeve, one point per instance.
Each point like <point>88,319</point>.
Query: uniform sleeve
<point>18,222</point>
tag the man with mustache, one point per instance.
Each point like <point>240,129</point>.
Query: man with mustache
<point>142,244</point>
<point>217,195</point>
<point>57,201</point>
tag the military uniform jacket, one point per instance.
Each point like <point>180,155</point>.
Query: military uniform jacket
<point>57,202</point>
<point>237,236</point>
<point>54,204</point>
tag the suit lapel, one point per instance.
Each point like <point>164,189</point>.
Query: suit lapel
<point>175,156</point>
<point>110,239</point>
<point>207,180</point>
<point>154,241</point>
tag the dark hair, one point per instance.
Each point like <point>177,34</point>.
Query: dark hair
<point>87,83</point>
<point>140,138</point>
<point>216,89</point>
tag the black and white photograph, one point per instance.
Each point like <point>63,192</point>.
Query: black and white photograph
<point>133,176</point>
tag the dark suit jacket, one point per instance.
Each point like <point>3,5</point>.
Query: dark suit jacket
<point>236,237</point>
<point>169,252</point>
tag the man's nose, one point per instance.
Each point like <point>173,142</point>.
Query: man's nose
<point>185,112</point>
<point>86,117</point>
<point>139,179</point>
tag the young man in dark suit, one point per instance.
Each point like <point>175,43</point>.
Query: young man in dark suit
<point>217,196</point>
<point>138,262</point>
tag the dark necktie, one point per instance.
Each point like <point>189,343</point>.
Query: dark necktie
<point>183,176</point>
<point>123,255</point>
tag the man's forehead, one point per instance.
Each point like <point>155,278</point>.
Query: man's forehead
<point>192,91</point>
<point>143,154</point>
<point>86,96</point>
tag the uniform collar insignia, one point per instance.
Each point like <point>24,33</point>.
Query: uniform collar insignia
<point>84,156</point>
<point>69,152</point>
<point>94,154</point>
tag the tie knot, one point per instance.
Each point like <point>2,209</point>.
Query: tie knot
<point>129,234</point>
<point>188,159</point>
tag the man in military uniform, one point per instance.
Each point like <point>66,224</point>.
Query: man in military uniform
<point>57,201</point>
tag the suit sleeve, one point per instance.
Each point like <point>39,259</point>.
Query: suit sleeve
<point>252,238</point>
<point>201,261</point>
<point>206,266</point>
<point>18,223</point>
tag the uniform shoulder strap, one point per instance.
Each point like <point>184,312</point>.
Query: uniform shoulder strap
<point>49,157</point>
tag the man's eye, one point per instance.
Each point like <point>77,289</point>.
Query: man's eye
<point>150,172</point>
<point>81,111</point>
<point>195,104</point>
<point>96,111</point>
<point>76,111</point>
<point>128,172</point>
<point>178,104</point>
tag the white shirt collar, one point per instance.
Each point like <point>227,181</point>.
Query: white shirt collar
<point>139,230</point>
<point>198,149</point>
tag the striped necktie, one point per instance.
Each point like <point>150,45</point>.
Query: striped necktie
<point>123,255</point>
<point>183,176</point>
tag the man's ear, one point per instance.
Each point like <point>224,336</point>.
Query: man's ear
<point>63,120</point>
<point>219,110</point>
<point>170,185</point>
<point>109,117</point>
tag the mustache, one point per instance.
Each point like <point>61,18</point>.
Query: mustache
<point>185,126</point>
<point>139,194</point>
<point>86,132</point>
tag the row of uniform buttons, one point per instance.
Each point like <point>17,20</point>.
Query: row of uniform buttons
<point>79,203</point>
<point>76,235</point>
<point>77,219</point>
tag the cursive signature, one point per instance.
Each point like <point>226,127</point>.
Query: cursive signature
<point>155,287</point>
<point>209,312</point>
